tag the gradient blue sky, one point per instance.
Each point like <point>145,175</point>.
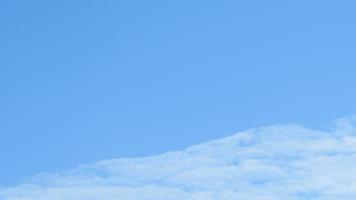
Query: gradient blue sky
<point>83,81</point>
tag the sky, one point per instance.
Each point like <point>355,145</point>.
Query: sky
<point>84,81</point>
<point>276,162</point>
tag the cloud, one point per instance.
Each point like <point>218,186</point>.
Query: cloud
<point>268,163</point>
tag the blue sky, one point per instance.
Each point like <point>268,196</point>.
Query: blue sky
<point>83,81</point>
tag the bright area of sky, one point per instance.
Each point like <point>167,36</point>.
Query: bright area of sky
<point>83,81</point>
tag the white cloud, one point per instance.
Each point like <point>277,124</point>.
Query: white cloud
<point>269,163</point>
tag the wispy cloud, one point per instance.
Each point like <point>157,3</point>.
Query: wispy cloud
<point>275,162</point>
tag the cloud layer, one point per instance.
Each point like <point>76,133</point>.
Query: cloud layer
<point>269,163</point>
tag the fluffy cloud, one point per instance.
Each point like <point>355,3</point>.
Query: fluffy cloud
<point>268,163</point>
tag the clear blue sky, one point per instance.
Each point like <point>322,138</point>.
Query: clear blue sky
<point>83,81</point>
